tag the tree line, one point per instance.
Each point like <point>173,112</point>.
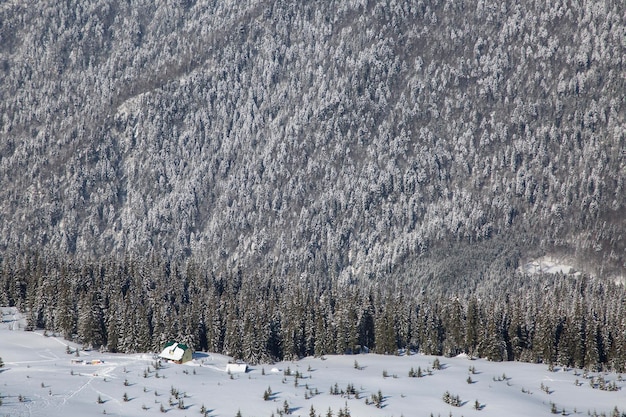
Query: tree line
<point>133,305</point>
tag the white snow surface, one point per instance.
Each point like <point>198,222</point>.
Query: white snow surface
<point>39,370</point>
<point>549,265</point>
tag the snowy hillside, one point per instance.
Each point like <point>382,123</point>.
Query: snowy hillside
<point>40,378</point>
<point>335,137</point>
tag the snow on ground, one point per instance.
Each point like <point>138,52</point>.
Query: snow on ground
<point>548,265</point>
<point>553,265</point>
<point>41,379</point>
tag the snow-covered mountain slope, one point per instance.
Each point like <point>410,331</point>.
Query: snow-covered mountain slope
<point>335,137</point>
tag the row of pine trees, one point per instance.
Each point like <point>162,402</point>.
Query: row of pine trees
<point>131,305</point>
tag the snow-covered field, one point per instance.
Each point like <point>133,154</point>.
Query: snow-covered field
<point>40,378</point>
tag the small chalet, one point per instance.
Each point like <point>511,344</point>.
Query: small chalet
<point>176,352</point>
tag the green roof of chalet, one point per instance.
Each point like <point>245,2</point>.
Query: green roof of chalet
<point>172,343</point>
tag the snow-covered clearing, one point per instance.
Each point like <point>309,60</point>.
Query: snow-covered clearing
<point>41,379</point>
<point>548,265</point>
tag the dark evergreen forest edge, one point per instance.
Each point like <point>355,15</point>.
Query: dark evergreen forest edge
<point>272,179</point>
<point>137,305</point>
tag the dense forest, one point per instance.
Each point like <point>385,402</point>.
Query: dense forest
<point>345,165</point>
<point>135,306</point>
